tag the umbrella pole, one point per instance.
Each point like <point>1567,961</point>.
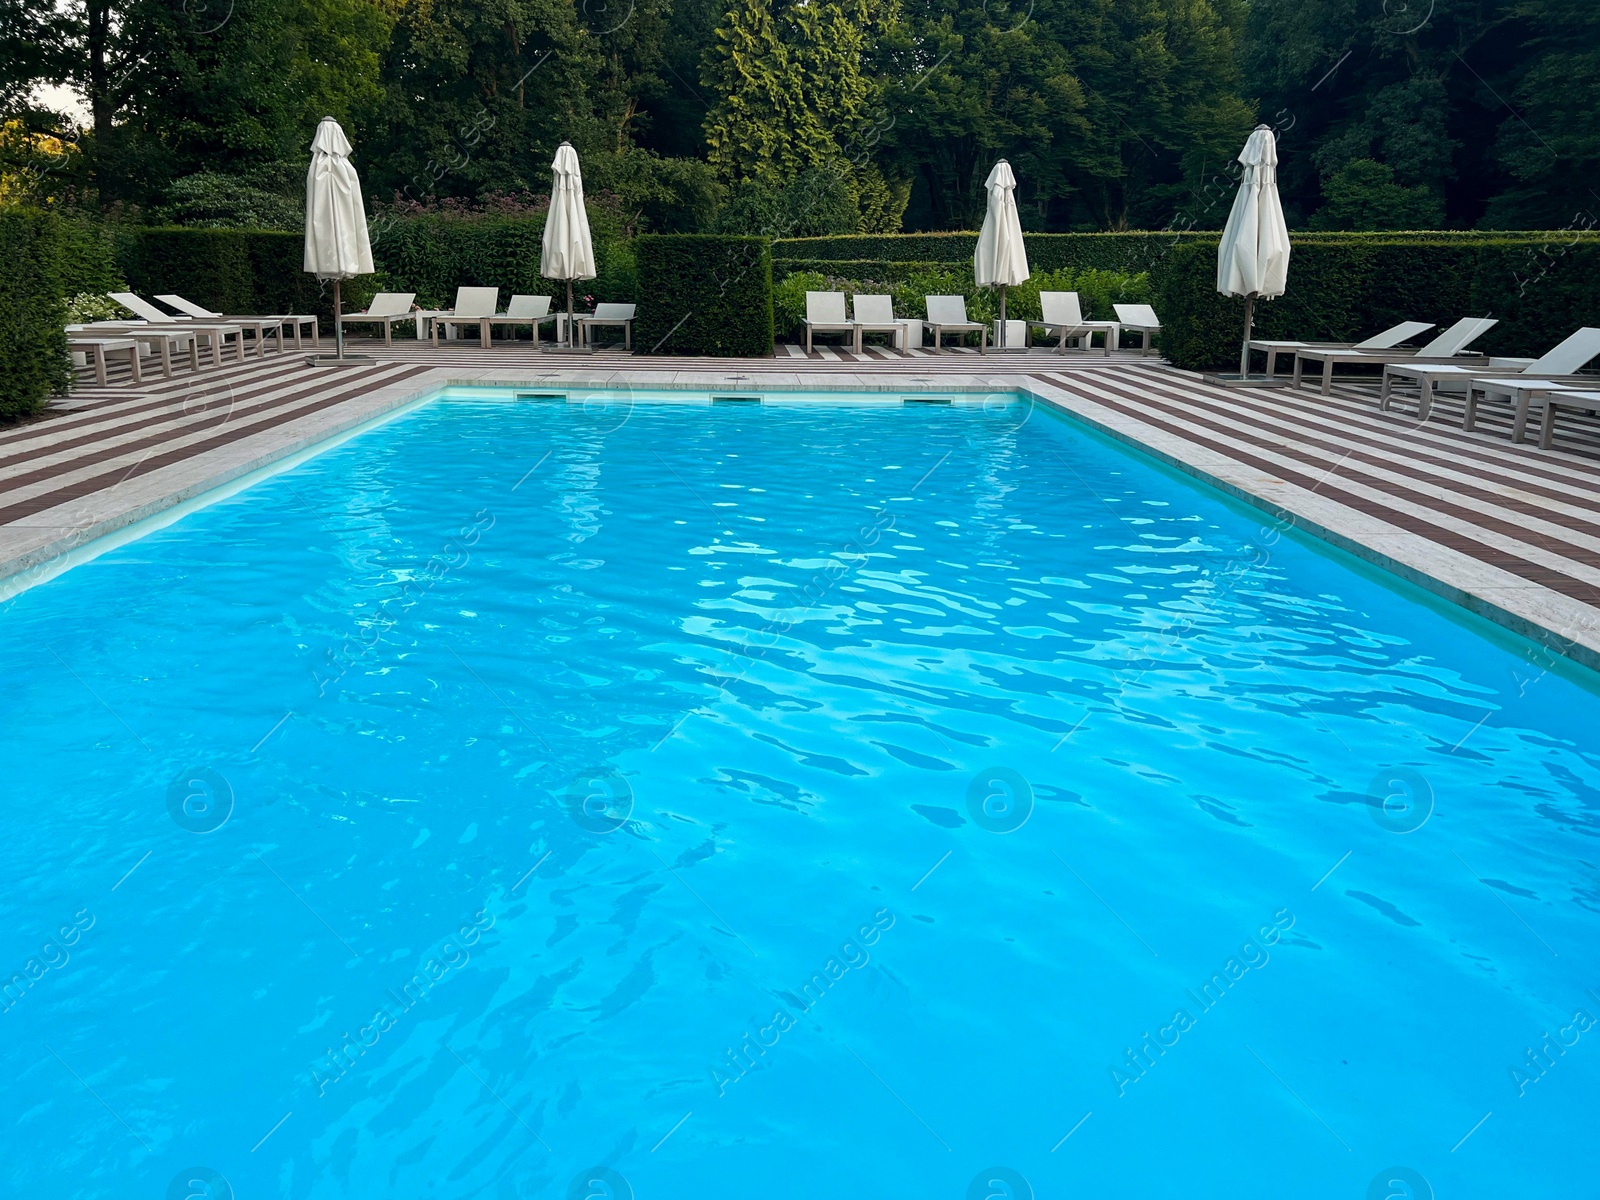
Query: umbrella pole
<point>570,342</point>
<point>1002,316</point>
<point>338,325</point>
<point>1244,350</point>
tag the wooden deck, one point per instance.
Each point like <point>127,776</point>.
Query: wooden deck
<point>1511,530</point>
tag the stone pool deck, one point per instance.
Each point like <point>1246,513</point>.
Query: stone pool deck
<point>1507,531</point>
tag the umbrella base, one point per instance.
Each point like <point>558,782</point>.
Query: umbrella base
<point>333,360</point>
<point>1234,379</point>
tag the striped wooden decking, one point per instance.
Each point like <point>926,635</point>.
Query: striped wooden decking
<point>1511,530</point>
<point>1533,513</point>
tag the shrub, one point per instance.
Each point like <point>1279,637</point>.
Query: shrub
<point>1364,195</point>
<point>212,200</point>
<point>659,195</point>
<point>86,307</point>
<point>89,257</point>
<point>33,314</point>
<point>817,202</point>
<point>704,294</point>
<point>789,302</point>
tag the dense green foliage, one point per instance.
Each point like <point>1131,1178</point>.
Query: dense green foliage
<point>704,294</point>
<point>1126,252</point>
<point>1343,288</point>
<point>828,125</point>
<point>33,313</point>
<point>790,117</point>
<point>1484,106</point>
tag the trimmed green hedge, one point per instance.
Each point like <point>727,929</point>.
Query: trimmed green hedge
<point>1342,286</point>
<point>1540,287</point>
<point>33,313</point>
<point>232,271</point>
<point>433,256</point>
<point>259,271</point>
<point>704,294</point>
<point>89,258</point>
<point>1129,253</point>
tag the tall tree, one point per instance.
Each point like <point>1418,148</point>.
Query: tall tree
<point>1419,87</point>
<point>480,95</point>
<point>1549,144</point>
<point>792,85</point>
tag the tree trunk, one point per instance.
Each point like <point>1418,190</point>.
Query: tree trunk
<point>102,106</point>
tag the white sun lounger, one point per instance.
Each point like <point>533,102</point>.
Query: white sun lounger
<point>215,334</point>
<point>474,306</point>
<point>1442,348</point>
<point>276,323</point>
<point>825,314</point>
<point>1387,340</point>
<point>948,314</point>
<point>385,309</point>
<point>1536,381</point>
<point>1062,315</point>
<point>1141,319</point>
<point>611,315</point>
<point>1564,360</point>
<point>531,311</point>
<point>257,326</point>
<point>875,314</point>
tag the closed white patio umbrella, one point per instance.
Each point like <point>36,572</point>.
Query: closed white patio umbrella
<point>337,246</point>
<point>1253,259</point>
<point>568,249</point>
<point>1001,260</point>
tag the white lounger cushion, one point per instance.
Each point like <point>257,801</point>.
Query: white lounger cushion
<point>1137,316</point>
<point>948,310</point>
<point>874,310</point>
<point>143,309</point>
<point>528,308</point>
<point>1570,356</point>
<point>1457,338</point>
<point>387,304</point>
<point>1394,335</point>
<point>475,302</point>
<point>1061,308</point>
<point>825,308</point>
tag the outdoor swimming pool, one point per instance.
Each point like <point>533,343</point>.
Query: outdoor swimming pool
<point>782,800</point>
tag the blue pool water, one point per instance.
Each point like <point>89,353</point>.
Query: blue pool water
<point>631,794</point>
